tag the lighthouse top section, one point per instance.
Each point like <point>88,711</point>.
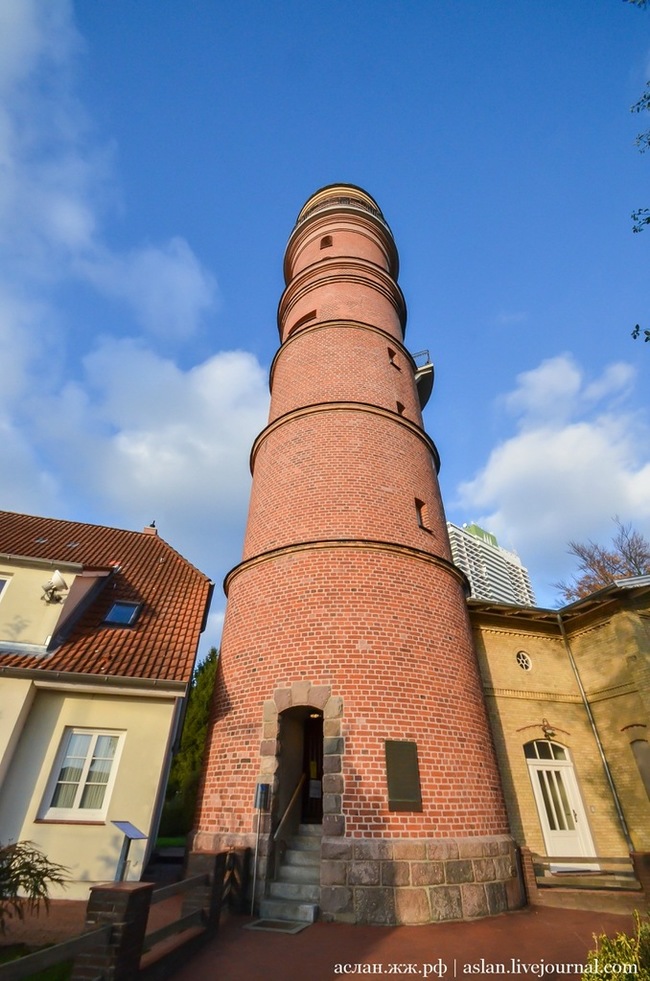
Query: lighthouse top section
<point>341,242</point>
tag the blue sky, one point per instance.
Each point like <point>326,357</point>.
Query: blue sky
<point>154,156</point>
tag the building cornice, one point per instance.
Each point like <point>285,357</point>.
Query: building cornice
<point>334,272</point>
<point>314,325</point>
<point>306,410</point>
<point>531,695</point>
<point>353,544</point>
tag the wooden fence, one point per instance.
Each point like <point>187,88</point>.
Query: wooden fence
<point>116,943</point>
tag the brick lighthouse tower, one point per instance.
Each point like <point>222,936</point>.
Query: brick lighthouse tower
<point>348,683</point>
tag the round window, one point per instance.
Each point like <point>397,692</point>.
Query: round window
<point>524,661</point>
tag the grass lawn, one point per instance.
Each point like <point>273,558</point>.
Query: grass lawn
<point>178,842</point>
<point>60,972</point>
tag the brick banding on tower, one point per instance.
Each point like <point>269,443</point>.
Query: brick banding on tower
<point>346,631</point>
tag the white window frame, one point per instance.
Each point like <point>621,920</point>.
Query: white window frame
<point>49,812</point>
<point>571,836</point>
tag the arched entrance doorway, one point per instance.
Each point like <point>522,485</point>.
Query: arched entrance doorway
<point>300,766</point>
<point>559,803</point>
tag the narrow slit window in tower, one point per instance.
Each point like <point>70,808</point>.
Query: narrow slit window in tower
<point>400,408</point>
<point>391,358</point>
<point>422,516</point>
<point>326,242</point>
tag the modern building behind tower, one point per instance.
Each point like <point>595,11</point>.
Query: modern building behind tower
<point>493,572</point>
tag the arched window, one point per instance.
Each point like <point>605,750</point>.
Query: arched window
<point>544,749</point>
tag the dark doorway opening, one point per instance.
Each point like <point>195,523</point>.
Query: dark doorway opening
<point>312,800</point>
<point>300,762</point>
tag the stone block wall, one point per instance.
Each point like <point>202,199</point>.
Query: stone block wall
<point>411,881</point>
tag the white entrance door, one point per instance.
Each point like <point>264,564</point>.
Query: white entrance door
<point>559,805</point>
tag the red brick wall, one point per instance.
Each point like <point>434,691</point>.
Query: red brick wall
<point>359,357</point>
<point>340,585</point>
<point>388,632</point>
<point>344,289</point>
<point>350,237</point>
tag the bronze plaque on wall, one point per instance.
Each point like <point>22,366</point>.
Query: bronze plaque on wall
<point>403,776</point>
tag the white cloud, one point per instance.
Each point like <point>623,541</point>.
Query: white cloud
<point>511,318</point>
<point>23,342</point>
<point>24,485</point>
<point>549,391</point>
<point>166,286</point>
<point>48,166</point>
<point>576,460</point>
<point>616,380</point>
<point>56,183</point>
<point>31,32</point>
<point>99,427</point>
<point>143,439</point>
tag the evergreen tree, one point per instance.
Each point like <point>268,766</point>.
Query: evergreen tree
<point>180,798</point>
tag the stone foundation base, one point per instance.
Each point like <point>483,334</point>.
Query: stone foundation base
<point>402,880</point>
<point>411,881</point>
<point>208,841</point>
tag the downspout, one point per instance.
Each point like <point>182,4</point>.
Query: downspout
<point>592,723</point>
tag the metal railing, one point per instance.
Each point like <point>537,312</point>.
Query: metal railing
<point>345,201</point>
<point>286,826</point>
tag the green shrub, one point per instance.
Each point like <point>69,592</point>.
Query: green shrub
<point>177,816</point>
<point>622,955</point>
<point>26,875</point>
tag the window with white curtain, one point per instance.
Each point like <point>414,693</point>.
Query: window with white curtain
<point>83,775</point>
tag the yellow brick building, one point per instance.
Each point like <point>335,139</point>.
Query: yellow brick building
<point>568,693</point>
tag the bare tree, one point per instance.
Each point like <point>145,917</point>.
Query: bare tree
<point>627,555</point>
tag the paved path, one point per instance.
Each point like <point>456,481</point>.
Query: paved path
<point>523,942</point>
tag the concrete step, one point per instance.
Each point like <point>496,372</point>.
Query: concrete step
<point>296,892</point>
<point>309,874</point>
<point>278,909</point>
<point>304,843</point>
<point>597,900</point>
<point>311,830</point>
<point>300,892</point>
<point>296,856</point>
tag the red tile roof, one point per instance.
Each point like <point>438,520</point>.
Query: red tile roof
<point>175,596</point>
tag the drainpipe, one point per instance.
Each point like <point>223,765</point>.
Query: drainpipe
<point>592,722</point>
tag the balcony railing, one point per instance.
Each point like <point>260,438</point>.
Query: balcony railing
<point>347,201</point>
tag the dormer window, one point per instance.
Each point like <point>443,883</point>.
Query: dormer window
<point>123,614</point>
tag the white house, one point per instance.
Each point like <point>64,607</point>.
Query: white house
<point>99,630</point>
